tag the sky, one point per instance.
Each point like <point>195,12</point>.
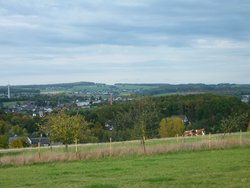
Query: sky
<point>124,41</point>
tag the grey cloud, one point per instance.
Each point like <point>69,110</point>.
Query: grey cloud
<point>33,32</point>
<point>109,23</point>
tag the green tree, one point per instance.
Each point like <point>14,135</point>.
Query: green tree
<point>145,117</point>
<point>234,123</point>
<point>17,130</point>
<point>65,128</point>
<point>4,127</point>
<point>3,141</point>
<point>80,129</point>
<point>171,126</point>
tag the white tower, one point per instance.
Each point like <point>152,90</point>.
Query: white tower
<point>8,91</point>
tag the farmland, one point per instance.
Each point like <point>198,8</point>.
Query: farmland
<point>206,168</point>
<point>213,160</point>
<point>201,161</point>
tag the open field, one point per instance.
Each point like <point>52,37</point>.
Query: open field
<point>200,161</point>
<point>211,168</point>
<point>8,104</point>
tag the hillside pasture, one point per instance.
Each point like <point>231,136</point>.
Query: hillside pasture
<point>208,168</point>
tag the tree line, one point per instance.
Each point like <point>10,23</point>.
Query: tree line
<point>144,117</point>
<point>131,119</point>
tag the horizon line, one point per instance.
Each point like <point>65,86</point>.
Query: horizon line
<point>129,83</point>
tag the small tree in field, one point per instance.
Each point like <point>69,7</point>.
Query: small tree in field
<point>171,126</point>
<point>65,128</point>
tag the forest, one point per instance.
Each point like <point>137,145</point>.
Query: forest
<point>132,119</point>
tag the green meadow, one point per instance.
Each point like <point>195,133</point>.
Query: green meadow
<point>203,161</point>
<point>207,168</point>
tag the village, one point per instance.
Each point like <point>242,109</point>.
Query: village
<point>40,101</point>
<point>34,108</point>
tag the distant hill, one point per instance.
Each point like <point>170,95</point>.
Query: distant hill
<point>36,89</point>
<point>62,85</point>
<point>161,88</point>
<point>138,89</point>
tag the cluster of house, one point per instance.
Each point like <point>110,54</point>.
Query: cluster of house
<point>39,111</point>
<point>87,104</point>
<point>30,108</point>
<point>245,98</point>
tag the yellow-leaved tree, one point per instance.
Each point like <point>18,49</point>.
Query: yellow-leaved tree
<point>171,126</point>
<point>248,128</point>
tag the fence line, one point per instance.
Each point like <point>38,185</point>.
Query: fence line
<point>135,147</point>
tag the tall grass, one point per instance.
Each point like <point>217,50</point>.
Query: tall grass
<point>129,148</point>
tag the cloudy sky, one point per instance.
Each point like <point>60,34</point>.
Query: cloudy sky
<point>129,41</point>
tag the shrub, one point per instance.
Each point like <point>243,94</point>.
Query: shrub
<point>19,143</point>
<point>3,141</point>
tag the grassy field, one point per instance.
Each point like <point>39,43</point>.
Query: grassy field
<point>213,168</point>
<point>127,148</point>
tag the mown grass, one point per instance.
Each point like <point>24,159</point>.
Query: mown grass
<point>207,168</point>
